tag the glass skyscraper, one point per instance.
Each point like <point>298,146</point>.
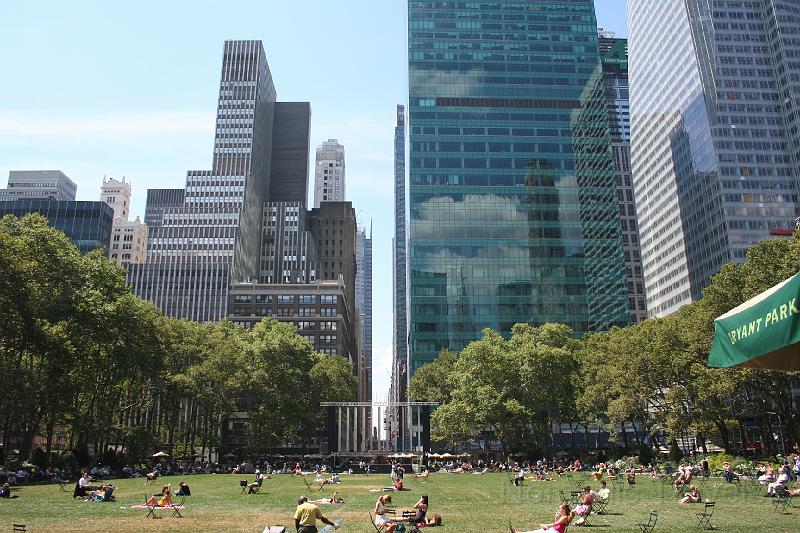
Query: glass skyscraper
<point>614,54</point>
<point>715,90</point>
<point>513,209</point>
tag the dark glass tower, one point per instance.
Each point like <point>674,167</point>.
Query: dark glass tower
<point>513,210</point>
<point>400,265</point>
<point>614,54</point>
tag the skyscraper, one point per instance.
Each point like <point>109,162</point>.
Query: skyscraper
<point>715,139</point>
<point>399,264</point>
<point>513,210</point>
<point>329,180</point>
<point>364,303</point>
<point>614,55</point>
<point>215,235</point>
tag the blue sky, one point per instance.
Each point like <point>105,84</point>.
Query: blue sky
<point>100,88</point>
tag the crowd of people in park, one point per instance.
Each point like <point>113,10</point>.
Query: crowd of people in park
<point>775,478</point>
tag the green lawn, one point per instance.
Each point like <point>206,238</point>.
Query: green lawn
<point>466,503</point>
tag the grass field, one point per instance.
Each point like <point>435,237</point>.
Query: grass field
<point>467,503</point>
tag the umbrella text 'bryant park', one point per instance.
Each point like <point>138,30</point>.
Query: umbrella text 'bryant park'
<point>763,332</point>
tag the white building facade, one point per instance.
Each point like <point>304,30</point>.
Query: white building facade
<point>128,237</point>
<point>329,180</point>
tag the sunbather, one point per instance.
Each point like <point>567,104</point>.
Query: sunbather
<point>693,496</point>
<point>328,501</point>
<point>165,500</point>
<point>563,518</point>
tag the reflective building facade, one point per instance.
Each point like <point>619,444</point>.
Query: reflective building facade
<point>714,104</point>
<point>614,55</point>
<point>513,210</point>
<point>400,361</point>
<point>87,224</point>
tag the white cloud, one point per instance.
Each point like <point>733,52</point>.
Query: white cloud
<point>19,124</point>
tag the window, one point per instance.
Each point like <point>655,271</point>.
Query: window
<point>286,298</point>
<point>308,298</point>
<point>242,299</point>
<point>328,298</point>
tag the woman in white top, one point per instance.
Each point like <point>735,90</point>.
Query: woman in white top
<point>380,514</point>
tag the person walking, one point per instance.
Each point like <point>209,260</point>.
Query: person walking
<point>306,516</point>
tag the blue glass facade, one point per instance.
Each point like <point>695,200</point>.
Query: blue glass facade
<point>513,210</point>
<point>87,224</point>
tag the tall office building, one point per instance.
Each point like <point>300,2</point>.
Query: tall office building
<point>513,210</point>
<point>614,55</point>
<point>329,184</point>
<point>715,146</point>
<point>39,185</point>
<point>215,235</point>
<point>364,303</point>
<point>399,265</point>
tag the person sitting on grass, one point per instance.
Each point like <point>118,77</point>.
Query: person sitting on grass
<point>165,500</point>
<point>563,518</point>
<point>328,501</point>
<point>104,494</point>
<point>151,476</point>
<point>423,475</point>
<point>5,491</point>
<point>693,496</point>
<point>183,490</point>
<point>585,508</point>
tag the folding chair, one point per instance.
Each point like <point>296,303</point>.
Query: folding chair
<point>704,518</point>
<point>308,485</point>
<point>243,484</point>
<point>782,500</point>
<point>651,523</point>
<point>19,527</point>
<point>151,508</point>
<point>600,504</point>
<point>564,498</point>
<point>176,512</point>
<point>372,521</point>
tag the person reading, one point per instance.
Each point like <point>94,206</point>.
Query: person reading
<point>693,496</point>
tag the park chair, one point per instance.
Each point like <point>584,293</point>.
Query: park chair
<point>243,484</point>
<point>19,527</point>
<point>782,500</point>
<point>651,523</point>
<point>308,485</point>
<point>704,517</point>
<point>564,498</point>
<point>372,521</point>
<point>600,505</point>
<point>153,507</point>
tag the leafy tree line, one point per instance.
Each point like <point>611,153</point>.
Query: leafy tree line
<point>82,356</point>
<point>650,379</point>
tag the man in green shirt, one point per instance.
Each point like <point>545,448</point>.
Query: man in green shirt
<point>306,515</point>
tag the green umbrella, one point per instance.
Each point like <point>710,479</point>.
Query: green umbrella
<point>763,332</point>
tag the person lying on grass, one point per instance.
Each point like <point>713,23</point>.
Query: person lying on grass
<point>328,501</point>
<point>563,518</point>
